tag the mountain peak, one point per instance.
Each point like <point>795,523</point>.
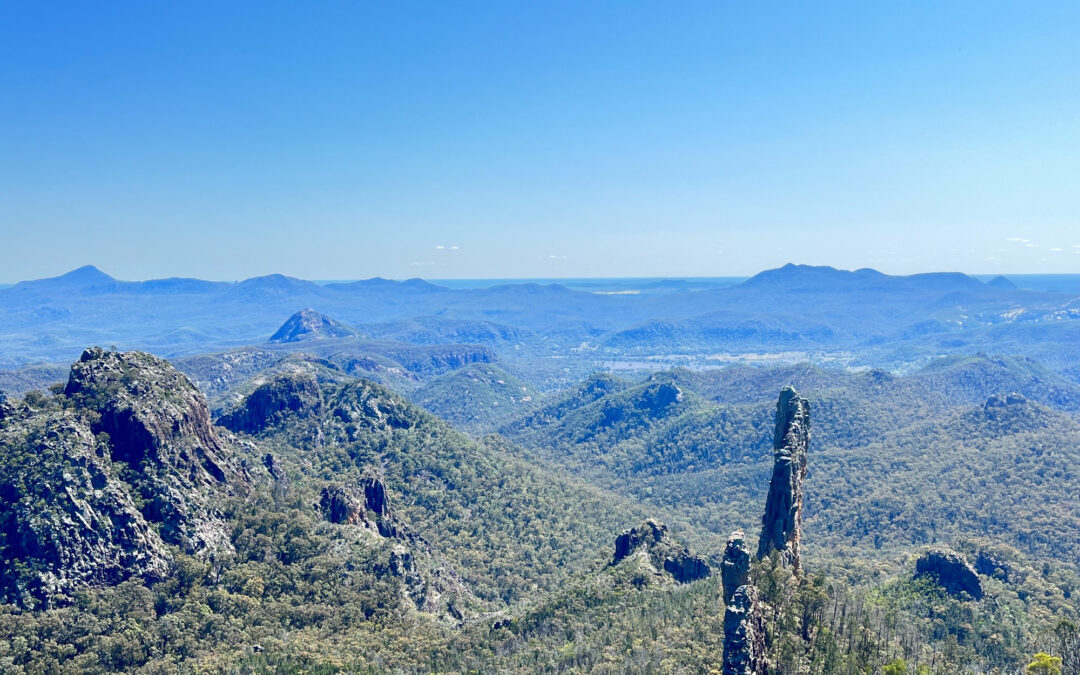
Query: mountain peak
<point>82,277</point>
<point>307,324</point>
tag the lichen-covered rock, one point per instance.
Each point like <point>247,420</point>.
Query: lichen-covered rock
<point>735,567</point>
<point>659,554</point>
<point>782,522</point>
<point>950,571</point>
<point>744,634</point>
<point>274,402</point>
<point>66,519</point>
<point>157,424</point>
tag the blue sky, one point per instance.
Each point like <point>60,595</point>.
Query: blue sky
<point>347,140</point>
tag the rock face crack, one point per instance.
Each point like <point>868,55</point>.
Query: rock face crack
<point>781,526</point>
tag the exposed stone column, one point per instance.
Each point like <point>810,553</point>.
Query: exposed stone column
<point>744,634</point>
<point>782,523</point>
<point>735,568</point>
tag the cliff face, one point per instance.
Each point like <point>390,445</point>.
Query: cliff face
<point>66,518</point>
<point>782,523</point>
<point>735,568</point>
<point>94,483</point>
<point>744,626</point>
<point>744,634</point>
<point>274,402</point>
<point>157,423</point>
<point>657,555</point>
<point>364,503</point>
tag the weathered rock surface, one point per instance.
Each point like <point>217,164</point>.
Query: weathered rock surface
<point>274,402</point>
<point>157,423</point>
<point>364,503</point>
<point>659,553</point>
<point>735,567</point>
<point>307,324</point>
<point>428,581</point>
<point>744,634</point>
<point>950,571</point>
<point>65,519</point>
<point>782,523</point>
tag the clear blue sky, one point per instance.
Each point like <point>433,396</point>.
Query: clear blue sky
<point>539,139</point>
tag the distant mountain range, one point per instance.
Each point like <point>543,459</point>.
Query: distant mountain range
<point>873,318</point>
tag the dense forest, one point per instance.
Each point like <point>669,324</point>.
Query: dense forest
<point>322,523</point>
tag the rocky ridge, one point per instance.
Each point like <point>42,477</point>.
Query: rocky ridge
<point>97,482</point>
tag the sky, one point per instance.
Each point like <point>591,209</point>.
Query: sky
<point>345,140</point>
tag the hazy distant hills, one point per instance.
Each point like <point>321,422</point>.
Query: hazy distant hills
<point>876,319</point>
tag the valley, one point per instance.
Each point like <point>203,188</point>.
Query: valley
<point>448,490</point>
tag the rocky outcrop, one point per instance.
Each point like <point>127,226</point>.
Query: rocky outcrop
<point>282,398</point>
<point>735,567</point>
<point>659,554</point>
<point>307,324</point>
<point>654,400</point>
<point>151,412</point>
<point>65,519</point>
<point>744,627</point>
<point>950,571</point>
<point>997,401</point>
<point>156,423</point>
<point>428,580</point>
<point>782,523</point>
<point>744,634</point>
<point>364,503</point>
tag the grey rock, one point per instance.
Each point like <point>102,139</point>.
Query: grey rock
<point>274,402</point>
<point>735,567</point>
<point>663,552</point>
<point>67,519</point>
<point>782,522</point>
<point>744,634</point>
<point>364,503</point>
<point>158,424</point>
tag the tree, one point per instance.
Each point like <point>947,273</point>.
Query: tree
<point>896,667</point>
<point>1044,664</point>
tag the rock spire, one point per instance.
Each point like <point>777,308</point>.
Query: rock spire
<point>781,526</point>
